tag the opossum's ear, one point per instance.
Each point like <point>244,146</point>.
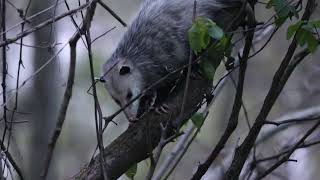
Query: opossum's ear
<point>124,70</point>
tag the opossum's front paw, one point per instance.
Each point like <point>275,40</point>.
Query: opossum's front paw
<point>133,120</point>
<point>162,109</point>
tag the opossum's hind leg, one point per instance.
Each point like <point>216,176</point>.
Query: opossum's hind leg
<point>152,101</point>
<point>162,95</point>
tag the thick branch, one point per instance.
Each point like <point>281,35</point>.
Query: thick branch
<point>131,147</point>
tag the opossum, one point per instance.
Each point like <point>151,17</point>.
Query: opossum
<point>156,44</point>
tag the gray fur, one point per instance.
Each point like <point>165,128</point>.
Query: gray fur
<point>156,44</point>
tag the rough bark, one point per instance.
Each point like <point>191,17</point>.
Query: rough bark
<point>136,143</point>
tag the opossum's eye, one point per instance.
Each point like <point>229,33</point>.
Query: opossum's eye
<point>129,95</point>
<point>124,70</point>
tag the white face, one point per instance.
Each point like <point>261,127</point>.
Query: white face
<point>124,83</point>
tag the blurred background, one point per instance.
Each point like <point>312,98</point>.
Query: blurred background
<point>40,97</point>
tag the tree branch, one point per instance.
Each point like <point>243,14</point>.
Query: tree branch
<point>130,147</point>
<point>44,24</point>
<point>287,156</point>
<point>277,85</point>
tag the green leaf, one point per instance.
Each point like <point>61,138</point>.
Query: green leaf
<point>315,24</point>
<point>198,120</point>
<point>132,172</point>
<point>312,42</point>
<point>214,55</point>
<point>218,50</point>
<point>198,35</point>
<point>207,69</point>
<point>293,29</point>
<point>301,37</point>
<point>305,36</point>
<point>215,32</point>
<point>280,20</point>
<point>269,5</point>
<point>283,9</point>
<point>227,46</point>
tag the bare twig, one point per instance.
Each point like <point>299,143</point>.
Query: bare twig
<point>296,120</point>
<point>75,24</point>
<point>112,12</point>
<point>97,108</point>
<point>37,46</point>
<point>242,103</point>
<point>189,65</point>
<point>163,142</point>
<point>4,67</point>
<point>288,154</point>
<point>183,153</point>
<point>175,153</point>
<point>304,114</point>
<point>266,43</point>
<point>277,156</point>
<point>11,160</point>
<point>28,19</point>
<point>103,34</point>
<point>44,24</point>
<point>43,66</point>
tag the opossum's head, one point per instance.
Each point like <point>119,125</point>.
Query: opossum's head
<point>124,82</point>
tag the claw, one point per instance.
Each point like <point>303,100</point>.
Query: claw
<point>163,109</point>
<point>153,99</point>
<point>165,105</point>
<point>157,110</point>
